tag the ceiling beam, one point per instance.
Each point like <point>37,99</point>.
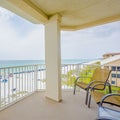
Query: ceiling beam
<point>26,9</point>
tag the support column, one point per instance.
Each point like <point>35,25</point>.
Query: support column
<point>53,58</point>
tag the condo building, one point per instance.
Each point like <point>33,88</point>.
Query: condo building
<point>112,61</point>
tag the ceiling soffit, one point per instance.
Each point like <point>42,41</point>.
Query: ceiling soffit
<point>75,14</point>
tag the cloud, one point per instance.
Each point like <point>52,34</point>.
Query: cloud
<point>92,42</point>
<point>5,14</point>
<point>20,39</point>
<point>29,46</point>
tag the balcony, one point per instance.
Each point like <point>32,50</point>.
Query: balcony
<point>37,107</point>
<point>17,83</point>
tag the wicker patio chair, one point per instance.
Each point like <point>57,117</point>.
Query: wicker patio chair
<point>100,75</point>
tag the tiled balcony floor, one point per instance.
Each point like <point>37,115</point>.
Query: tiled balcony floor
<point>37,107</point>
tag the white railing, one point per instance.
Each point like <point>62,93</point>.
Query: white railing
<point>40,77</point>
<point>70,72</point>
<point>20,81</point>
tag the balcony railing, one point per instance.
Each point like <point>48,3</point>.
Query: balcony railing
<point>20,81</point>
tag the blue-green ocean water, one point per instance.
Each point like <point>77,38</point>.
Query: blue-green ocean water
<point>9,63</point>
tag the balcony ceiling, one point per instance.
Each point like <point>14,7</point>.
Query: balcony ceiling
<point>75,14</point>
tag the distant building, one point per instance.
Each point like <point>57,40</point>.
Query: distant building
<point>107,55</point>
<point>113,63</point>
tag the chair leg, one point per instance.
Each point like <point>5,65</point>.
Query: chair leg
<point>74,89</point>
<point>89,101</point>
<point>109,87</point>
<point>86,100</point>
<point>110,90</point>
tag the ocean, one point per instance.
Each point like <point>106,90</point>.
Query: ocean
<point>10,63</point>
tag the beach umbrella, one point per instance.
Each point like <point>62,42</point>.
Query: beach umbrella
<point>4,80</point>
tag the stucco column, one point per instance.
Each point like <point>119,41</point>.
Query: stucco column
<point>53,58</point>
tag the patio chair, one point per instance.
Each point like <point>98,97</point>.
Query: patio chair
<point>97,95</point>
<point>109,112</point>
<point>100,75</point>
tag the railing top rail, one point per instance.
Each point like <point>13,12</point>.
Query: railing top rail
<point>37,65</point>
<point>62,65</point>
<point>20,66</point>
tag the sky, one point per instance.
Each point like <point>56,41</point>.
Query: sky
<point>23,40</point>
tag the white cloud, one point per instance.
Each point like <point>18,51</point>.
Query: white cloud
<point>20,39</point>
<point>5,14</point>
<point>30,46</point>
<point>14,43</point>
<point>92,42</point>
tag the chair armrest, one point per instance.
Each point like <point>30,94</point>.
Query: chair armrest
<point>106,96</point>
<point>95,87</point>
<point>95,83</point>
<point>98,83</point>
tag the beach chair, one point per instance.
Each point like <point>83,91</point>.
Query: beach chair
<point>109,112</point>
<point>100,76</point>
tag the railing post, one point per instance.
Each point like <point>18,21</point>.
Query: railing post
<point>35,78</point>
